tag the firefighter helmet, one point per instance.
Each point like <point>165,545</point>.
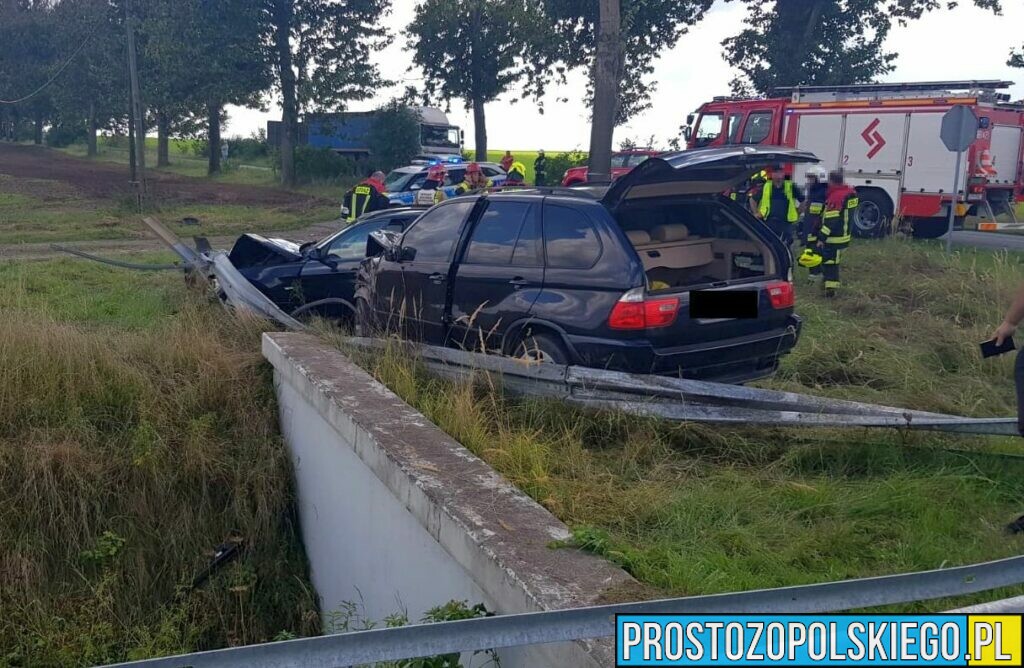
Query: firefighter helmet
<point>810,258</point>
<point>436,173</point>
<point>473,168</point>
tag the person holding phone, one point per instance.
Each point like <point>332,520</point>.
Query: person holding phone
<point>1003,334</point>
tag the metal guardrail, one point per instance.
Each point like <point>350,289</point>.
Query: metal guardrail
<point>685,400</point>
<point>368,647</point>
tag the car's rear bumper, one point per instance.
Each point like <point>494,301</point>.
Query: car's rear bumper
<point>736,360</point>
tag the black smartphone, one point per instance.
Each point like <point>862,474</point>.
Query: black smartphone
<point>990,349</point>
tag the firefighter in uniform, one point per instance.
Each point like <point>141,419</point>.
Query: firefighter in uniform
<point>834,234</point>
<point>813,207</point>
<point>779,205</point>
<point>540,169</point>
<point>475,180</point>
<point>433,183</point>
<point>364,197</point>
<point>516,175</point>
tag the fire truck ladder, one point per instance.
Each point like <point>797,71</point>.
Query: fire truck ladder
<point>982,89</point>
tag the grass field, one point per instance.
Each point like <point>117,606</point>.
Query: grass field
<point>137,432</point>
<point>692,509</point>
<point>48,211</point>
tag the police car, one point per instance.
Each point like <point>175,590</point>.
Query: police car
<point>402,184</point>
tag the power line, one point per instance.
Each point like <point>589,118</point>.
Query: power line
<point>54,77</point>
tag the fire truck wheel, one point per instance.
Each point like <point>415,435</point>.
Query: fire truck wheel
<point>933,228</point>
<point>874,215</point>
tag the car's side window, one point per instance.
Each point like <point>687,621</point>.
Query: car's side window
<point>489,171</point>
<point>351,245</point>
<point>454,178</point>
<point>495,236</point>
<point>433,236</point>
<point>530,246</point>
<point>570,239</point>
<point>416,182</point>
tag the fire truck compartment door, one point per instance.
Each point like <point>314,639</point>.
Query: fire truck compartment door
<point>874,143</point>
<point>1005,150</point>
<point>929,164</point>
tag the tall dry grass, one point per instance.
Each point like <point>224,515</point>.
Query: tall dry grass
<point>125,458</point>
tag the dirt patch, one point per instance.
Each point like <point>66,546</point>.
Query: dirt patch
<point>110,181</point>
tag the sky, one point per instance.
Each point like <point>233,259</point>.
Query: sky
<point>963,43</point>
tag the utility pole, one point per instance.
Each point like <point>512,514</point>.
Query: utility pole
<point>137,115</point>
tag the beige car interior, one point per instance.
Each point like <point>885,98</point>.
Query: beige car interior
<point>673,257</point>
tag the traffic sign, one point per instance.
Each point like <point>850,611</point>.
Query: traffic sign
<point>959,128</point>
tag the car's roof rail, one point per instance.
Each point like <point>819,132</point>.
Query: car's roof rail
<point>550,190</point>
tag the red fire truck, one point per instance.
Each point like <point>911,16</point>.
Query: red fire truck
<point>886,139</point>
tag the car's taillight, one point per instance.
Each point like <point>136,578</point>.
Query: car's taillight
<point>636,311</point>
<point>781,294</point>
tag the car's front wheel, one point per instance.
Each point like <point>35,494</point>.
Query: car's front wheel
<point>541,349</point>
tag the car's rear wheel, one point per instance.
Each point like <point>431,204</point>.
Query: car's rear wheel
<point>541,349</point>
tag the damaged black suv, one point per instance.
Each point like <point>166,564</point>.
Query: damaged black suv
<point>601,276</point>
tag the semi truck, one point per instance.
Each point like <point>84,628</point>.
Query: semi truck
<point>348,132</point>
<point>885,137</point>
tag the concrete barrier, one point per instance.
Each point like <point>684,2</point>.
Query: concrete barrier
<point>397,516</point>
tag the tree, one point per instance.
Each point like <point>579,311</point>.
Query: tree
<point>475,51</point>
<point>619,42</point>
<point>320,52</point>
<point>93,88</point>
<point>820,42</point>
<point>204,55</point>
<point>395,135</point>
<point>29,59</point>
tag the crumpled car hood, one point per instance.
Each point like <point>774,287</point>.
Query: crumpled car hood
<point>252,250</point>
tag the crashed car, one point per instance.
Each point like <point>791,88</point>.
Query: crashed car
<point>317,278</point>
<point>402,184</point>
<point>657,273</point>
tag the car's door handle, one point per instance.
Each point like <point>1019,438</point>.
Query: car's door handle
<point>518,282</point>
<point>436,278</point>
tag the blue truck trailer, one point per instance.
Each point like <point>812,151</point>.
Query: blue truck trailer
<point>348,132</point>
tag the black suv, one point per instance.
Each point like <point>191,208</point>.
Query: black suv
<point>603,276</point>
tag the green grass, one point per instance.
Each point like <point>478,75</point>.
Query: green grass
<point>137,432</point>
<point>66,216</point>
<point>694,509</point>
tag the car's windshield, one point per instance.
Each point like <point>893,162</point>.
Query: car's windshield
<point>398,179</point>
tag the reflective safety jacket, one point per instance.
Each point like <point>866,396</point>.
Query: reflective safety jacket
<point>466,187</point>
<point>766,200</point>
<point>365,197</point>
<point>840,205</point>
<point>816,196</point>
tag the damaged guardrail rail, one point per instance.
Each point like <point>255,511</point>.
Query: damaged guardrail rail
<point>533,628</point>
<point>686,400</point>
<point>654,396</point>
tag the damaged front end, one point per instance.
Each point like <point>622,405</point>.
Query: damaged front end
<point>219,268</point>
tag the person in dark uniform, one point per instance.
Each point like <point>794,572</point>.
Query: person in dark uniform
<point>540,169</point>
<point>365,196</point>
<point>812,210</point>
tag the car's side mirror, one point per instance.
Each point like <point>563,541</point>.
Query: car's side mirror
<point>689,119</point>
<point>687,132</point>
<point>406,254</point>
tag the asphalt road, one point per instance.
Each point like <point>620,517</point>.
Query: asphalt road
<point>994,240</point>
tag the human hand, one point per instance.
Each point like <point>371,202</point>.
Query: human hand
<point>1004,331</point>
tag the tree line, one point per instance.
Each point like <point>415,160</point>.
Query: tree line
<point>63,62</point>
